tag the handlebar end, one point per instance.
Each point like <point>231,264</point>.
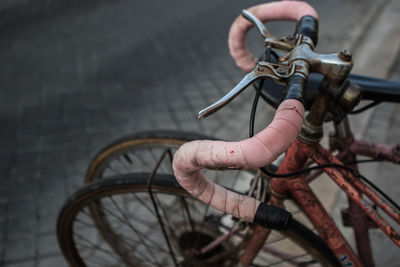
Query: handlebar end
<point>308,26</point>
<point>295,88</point>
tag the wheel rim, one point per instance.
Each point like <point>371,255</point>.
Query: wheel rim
<point>122,157</point>
<point>137,154</point>
<point>138,242</point>
<point>91,248</point>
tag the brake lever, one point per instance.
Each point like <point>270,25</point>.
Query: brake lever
<point>243,84</point>
<point>260,26</point>
<point>277,72</point>
<point>270,40</point>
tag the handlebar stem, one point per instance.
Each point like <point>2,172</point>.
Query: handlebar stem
<point>335,67</point>
<point>312,131</point>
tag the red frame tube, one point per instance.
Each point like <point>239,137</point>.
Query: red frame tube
<point>300,190</point>
<point>296,157</point>
<point>350,184</point>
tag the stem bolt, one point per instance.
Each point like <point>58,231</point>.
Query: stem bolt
<point>345,55</point>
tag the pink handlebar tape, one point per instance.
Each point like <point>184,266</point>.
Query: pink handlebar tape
<point>284,10</point>
<point>255,152</point>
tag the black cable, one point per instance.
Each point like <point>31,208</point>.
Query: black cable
<point>271,56</point>
<point>355,172</point>
<point>267,56</point>
<point>364,108</point>
<point>295,173</point>
<point>254,107</point>
<point>362,161</point>
<point>332,165</point>
<point>299,172</point>
<point>309,169</point>
<point>377,189</point>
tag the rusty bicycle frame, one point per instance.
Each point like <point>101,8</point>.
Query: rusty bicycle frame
<point>361,213</point>
<point>299,61</point>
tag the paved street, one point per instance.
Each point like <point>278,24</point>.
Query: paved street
<point>76,75</point>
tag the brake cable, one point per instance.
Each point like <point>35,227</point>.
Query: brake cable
<point>322,166</point>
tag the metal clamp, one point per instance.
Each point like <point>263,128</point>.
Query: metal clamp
<point>300,60</point>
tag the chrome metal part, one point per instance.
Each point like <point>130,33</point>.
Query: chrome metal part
<point>350,97</point>
<point>300,60</point>
<point>243,84</point>
<point>310,134</point>
<point>284,44</point>
<point>342,136</point>
<point>277,72</point>
<point>342,129</point>
<point>301,67</point>
<point>260,26</point>
<point>331,65</point>
<point>301,39</point>
<point>269,39</point>
<point>276,195</point>
<point>345,55</point>
<point>335,67</point>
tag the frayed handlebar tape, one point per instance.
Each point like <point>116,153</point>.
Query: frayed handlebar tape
<point>255,152</point>
<point>273,11</point>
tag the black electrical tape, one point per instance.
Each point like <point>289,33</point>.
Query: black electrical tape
<point>272,217</point>
<point>308,26</point>
<point>295,88</point>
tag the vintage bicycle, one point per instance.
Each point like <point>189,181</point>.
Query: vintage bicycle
<point>141,205</point>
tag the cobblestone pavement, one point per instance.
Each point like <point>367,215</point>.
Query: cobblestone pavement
<point>78,74</point>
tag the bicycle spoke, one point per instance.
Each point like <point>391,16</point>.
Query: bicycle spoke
<point>126,167</point>
<point>156,159</point>
<point>82,211</point>
<point>141,241</point>
<point>148,208</point>
<point>275,240</point>
<point>292,261</point>
<point>111,168</point>
<point>133,247</point>
<point>154,200</point>
<point>128,158</point>
<point>83,247</point>
<point>132,227</point>
<point>111,253</point>
<point>201,227</point>
<point>186,209</point>
<point>127,229</point>
<point>125,240</point>
<point>137,232</point>
<point>145,164</point>
<point>97,262</point>
<point>95,246</point>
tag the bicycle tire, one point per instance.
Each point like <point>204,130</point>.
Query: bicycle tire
<point>119,151</point>
<point>146,149</point>
<point>165,184</point>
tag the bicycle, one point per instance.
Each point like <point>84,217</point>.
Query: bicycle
<point>125,218</point>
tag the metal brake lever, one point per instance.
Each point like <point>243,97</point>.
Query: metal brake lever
<point>260,26</point>
<point>243,84</point>
<point>277,72</point>
<point>269,39</point>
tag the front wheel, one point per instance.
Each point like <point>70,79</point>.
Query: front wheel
<point>126,228</point>
<point>138,152</point>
